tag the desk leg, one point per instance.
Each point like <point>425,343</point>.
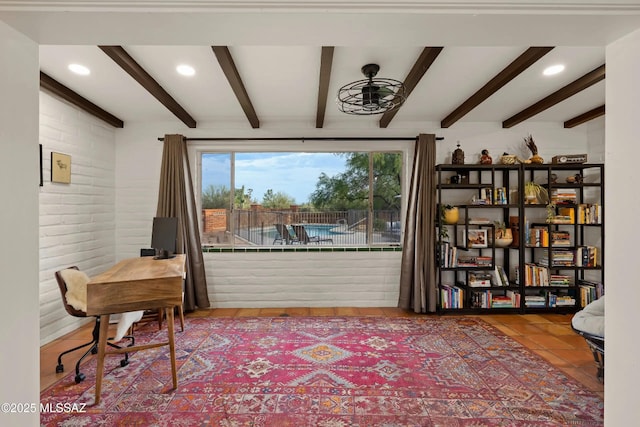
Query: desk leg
<point>172,345</point>
<point>102,344</point>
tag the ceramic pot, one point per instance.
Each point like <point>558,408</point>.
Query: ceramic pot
<point>504,238</point>
<point>451,216</point>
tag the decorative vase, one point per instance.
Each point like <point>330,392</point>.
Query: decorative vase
<point>503,238</point>
<point>536,159</point>
<point>451,215</point>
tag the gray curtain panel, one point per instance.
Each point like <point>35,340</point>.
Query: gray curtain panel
<point>176,199</point>
<point>418,290</point>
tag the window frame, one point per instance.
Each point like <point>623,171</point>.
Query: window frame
<point>405,148</point>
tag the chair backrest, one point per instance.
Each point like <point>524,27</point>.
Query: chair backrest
<point>62,285</point>
<point>284,232</point>
<point>301,233</point>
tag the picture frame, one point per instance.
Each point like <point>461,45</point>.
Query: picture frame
<point>41,172</point>
<point>60,168</point>
<point>476,238</point>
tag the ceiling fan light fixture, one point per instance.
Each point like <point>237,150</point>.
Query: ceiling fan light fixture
<point>371,95</point>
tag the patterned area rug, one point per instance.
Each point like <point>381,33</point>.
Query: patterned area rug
<point>329,372</point>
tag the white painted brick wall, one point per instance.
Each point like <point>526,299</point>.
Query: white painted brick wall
<point>77,220</point>
<point>303,279</point>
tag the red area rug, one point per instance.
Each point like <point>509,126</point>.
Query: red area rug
<point>330,372</point>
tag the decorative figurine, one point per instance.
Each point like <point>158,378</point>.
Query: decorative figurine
<point>574,179</point>
<point>458,156</point>
<point>485,158</point>
<point>535,158</point>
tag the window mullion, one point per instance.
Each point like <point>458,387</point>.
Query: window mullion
<point>232,198</point>
<point>370,202</point>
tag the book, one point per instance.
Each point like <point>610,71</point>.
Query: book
<point>478,279</point>
<point>503,276</point>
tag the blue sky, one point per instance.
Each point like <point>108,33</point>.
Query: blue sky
<point>294,174</point>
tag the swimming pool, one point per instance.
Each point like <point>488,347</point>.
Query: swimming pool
<point>325,229</point>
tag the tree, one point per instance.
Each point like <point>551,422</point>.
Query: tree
<point>243,198</point>
<point>277,200</point>
<point>350,189</point>
<point>216,197</point>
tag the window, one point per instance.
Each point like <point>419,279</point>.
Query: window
<point>266,199</point>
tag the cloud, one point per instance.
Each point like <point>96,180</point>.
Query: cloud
<point>294,174</point>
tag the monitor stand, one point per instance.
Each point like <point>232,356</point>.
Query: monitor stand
<point>164,254</point>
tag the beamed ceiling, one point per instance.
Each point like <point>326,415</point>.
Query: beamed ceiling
<point>257,70</point>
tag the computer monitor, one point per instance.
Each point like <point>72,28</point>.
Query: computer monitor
<point>164,236</point>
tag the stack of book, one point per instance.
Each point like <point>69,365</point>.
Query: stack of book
<point>565,216</point>
<point>560,238</point>
<point>481,299</point>
<point>538,237</point>
<point>535,301</point>
<point>589,213</point>
<point>563,196</point>
<point>500,196</point>
<point>535,275</point>
<point>586,256</point>
<point>564,301</point>
<point>501,278</point>
<point>448,255</point>
<point>501,301</point>
<point>559,280</point>
<point>451,297</point>
<point>590,291</point>
<point>559,258</point>
<point>479,279</point>
<point>474,261</point>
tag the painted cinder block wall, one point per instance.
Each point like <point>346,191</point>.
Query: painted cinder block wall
<point>77,220</point>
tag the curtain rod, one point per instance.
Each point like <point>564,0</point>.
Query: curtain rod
<point>391,138</point>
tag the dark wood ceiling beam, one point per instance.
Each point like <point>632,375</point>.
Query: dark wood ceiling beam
<point>51,85</point>
<point>585,117</point>
<point>128,64</point>
<point>326,60</point>
<point>229,68</point>
<point>422,64</point>
<point>511,71</point>
<point>560,95</point>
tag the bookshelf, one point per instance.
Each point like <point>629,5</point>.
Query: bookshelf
<point>555,261</point>
<point>563,238</point>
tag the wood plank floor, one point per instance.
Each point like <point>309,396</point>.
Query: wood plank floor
<point>548,335</point>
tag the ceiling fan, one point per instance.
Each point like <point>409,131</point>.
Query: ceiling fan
<point>371,95</point>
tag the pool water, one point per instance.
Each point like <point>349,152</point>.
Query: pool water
<point>325,229</point>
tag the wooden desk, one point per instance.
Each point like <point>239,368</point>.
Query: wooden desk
<point>131,285</point>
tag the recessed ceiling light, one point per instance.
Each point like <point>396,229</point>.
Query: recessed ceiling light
<point>185,70</point>
<point>554,69</point>
<point>79,69</point>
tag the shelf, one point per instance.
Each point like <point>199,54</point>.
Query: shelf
<point>504,182</point>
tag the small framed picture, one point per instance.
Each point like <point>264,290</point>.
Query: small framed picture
<point>41,180</point>
<point>60,168</point>
<point>477,238</point>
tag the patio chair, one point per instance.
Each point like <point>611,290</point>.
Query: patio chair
<point>589,324</point>
<point>304,238</point>
<point>284,237</point>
